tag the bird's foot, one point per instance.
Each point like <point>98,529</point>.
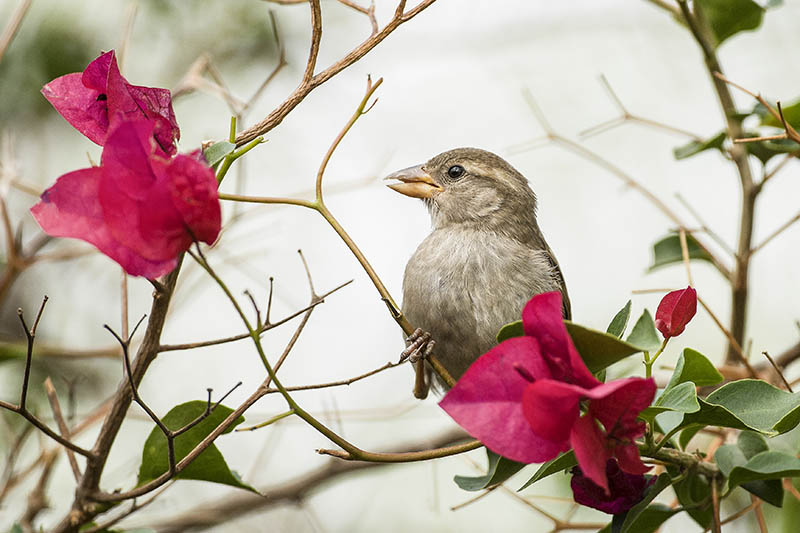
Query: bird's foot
<point>419,345</point>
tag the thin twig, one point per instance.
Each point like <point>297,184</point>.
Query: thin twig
<point>267,326</point>
<point>62,425</point>
<point>186,461</point>
<point>362,109</point>
<point>124,302</point>
<point>127,31</point>
<point>626,116</point>
<point>13,25</point>
<point>769,175</point>
<point>403,457</point>
<point>778,371</point>
<point>733,342</point>
<point>595,158</point>
<point>316,37</point>
<point>716,526</point>
<point>296,335</point>
<point>271,76</point>
<point>703,226</point>
<point>135,506</point>
<point>480,496</point>
<point>759,512</point>
<point>735,516</point>
<point>343,382</point>
<point>279,113</point>
<point>685,255</point>
<point>21,408</point>
<point>775,233</point>
<point>170,435</point>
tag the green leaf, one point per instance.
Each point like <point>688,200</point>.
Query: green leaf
<point>620,321</point>
<point>769,490</point>
<point>759,474</point>
<point>16,528</point>
<point>563,462</point>
<point>650,519</point>
<point>668,251</point>
<point>598,349</point>
<point>499,470</point>
<point>688,432</point>
<point>729,17</point>
<point>766,150</point>
<point>695,367</point>
<point>668,421</point>
<point>510,330</point>
<point>644,333</point>
<point>791,113</point>
<point>765,465</point>
<point>217,151</point>
<point>751,443</point>
<point>694,494</point>
<point>695,147</point>
<point>637,513</point>
<point>208,466</point>
<point>681,398</point>
<point>749,404</point>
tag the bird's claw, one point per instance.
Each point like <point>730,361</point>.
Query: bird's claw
<point>419,345</point>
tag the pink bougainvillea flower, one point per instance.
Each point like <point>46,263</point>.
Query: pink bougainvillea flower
<point>542,320</point>
<point>92,100</point>
<point>487,401</point>
<point>607,429</point>
<point>625,490</point>
<point>675,311</point>
<point>522,399</point>
<point>139,207</point>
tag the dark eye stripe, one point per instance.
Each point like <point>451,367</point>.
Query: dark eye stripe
<point>455,172</point>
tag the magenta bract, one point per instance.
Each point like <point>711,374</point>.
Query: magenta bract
<point>487,401</point>
<point>523,399</point>
<point>92,100</point>
<point>675,311</point>
<point>140,207</point>
<point>625,490</point>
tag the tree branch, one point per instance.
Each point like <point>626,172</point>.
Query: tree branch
<point>306,86</point>
<point>739,281</point>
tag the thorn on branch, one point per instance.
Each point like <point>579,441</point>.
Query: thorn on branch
<point>314,295</point>
<point>269,301</point>
<point>250,297</point>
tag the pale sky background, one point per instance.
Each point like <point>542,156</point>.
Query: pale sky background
<point>452,77</point>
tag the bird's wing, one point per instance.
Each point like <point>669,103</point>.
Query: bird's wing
<point>566,306</point>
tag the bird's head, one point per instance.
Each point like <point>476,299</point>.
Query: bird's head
<point>469,186</point>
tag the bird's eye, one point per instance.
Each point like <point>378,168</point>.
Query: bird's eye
<point>455,172</point>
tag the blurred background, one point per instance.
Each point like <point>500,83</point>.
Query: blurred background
<point>453,76</point>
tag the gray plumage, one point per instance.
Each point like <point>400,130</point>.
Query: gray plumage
<point>484,258</point>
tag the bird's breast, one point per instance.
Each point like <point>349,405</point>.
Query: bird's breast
<point>462,285</point>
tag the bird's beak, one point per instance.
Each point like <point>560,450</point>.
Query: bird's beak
<point>414,181</point>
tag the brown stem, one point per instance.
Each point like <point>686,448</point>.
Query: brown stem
<point>403,457</point>
<point>62,424</point>
<point>739,281</point>
<point>82,508</point>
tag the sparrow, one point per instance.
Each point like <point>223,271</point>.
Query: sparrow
<point>483,260</point>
